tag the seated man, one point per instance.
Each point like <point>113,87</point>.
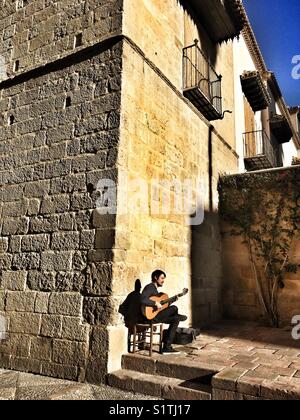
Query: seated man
<point>167,316</point>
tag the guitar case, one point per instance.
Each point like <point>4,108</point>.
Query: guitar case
<point>185,336</point>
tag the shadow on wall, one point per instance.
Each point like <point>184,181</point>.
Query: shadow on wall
<point>206,258</point>
<point>209,48</point>
<point>206,265</point>
<point>206,285</point>
<point>131,307</point>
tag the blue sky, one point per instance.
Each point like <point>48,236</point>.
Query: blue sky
<point>277,27</point>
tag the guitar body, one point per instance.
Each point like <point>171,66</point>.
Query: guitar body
<point>149,312</point>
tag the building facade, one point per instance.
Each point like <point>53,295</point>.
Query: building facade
<point>266,134</point>
<point>108,110</point>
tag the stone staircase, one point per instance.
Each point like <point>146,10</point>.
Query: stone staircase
<point>166,377</point>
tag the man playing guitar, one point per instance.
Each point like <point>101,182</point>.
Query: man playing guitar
<point>167,316</point>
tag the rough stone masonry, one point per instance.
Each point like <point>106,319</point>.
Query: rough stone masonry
<point>59,133</point>
<point>73,112</point>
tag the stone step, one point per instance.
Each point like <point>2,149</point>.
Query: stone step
<point>179,367</point>
<point>159,386</point>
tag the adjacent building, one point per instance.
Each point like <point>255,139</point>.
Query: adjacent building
<point>270,139</point>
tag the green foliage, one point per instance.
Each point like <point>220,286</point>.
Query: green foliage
<point>264,208</point>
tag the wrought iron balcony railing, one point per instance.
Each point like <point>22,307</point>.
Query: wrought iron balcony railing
<point>201,84</point>
<point>259,152</point>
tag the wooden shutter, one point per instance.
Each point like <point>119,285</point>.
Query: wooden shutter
<point>250,128</point>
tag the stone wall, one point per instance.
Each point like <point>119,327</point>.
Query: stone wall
<point>67,124</point>
<point>240,297</point>
<point>35,32</point>
<point>59,135</point>
<point>163,138</point>
<point>147,23</point>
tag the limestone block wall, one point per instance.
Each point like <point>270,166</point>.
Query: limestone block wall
<point>59,135</point>
<point>148,22</point>
<point>163,138</point>
<point>239,290</point>
<point>102,112</point>
<point>35,32</point>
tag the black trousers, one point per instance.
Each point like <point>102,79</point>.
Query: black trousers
<point>169,316</point>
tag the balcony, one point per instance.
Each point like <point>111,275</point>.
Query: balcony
<point>201,84</point>
<point>222,19</point>
<point>258,151</point>
<point>255,90</point>
<point>281,129</point>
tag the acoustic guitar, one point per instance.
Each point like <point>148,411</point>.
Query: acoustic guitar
<point>151,312</point>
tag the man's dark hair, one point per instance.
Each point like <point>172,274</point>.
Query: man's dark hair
<point>156,274</point>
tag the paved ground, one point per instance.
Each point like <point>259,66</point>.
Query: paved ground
<point>250,361</point>
<point>23,386</point>
<point>255,360</point>
<point>247,361</point>
<point>261,351</point>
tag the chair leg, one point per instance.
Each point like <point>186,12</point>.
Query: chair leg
<point>161,338</point>
<point>151,340</point>
<point>134,339</point>
<point>129,341</point>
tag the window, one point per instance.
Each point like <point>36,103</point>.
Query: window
<point>68,102</point>
<point>78,41</point>
<point>11,120</point>
<point>21,4</point>
<point>17,66</point>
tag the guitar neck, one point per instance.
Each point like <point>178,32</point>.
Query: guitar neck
<point>170,300</point>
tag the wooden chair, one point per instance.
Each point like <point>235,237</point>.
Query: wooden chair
<point>144,334</point>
